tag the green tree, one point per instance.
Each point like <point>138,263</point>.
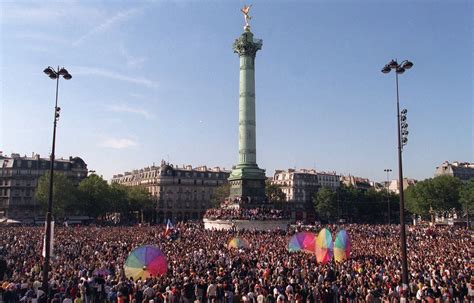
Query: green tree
<point>325,204</point>
<point>373,196</point>
<point>440,193</point>
<point>274,193</point>
<point>64,195</point>
<point>139,198</point>
<point>119,199</point>
<point>95,196</point>
<point>219,194</point>
<point>466,196</point>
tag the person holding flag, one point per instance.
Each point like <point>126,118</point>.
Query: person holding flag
<point>169,228</point>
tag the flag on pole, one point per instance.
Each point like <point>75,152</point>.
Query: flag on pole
<point>51,243</point>
<point>169,227</point>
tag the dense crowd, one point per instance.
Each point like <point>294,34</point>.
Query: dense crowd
<point>246,214</point>
<point>88,266</point>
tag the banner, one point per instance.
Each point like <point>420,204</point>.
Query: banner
<point>51,244</point>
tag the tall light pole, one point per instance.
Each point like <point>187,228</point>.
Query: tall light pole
<point>53,74</point>
<point>388,170</point>
<point>402,134</point>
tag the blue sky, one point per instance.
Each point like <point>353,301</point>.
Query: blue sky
<point>158,80</point>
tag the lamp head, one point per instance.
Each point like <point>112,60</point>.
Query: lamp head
<point>67,76</point>
<point>407,64</point>
<point>53,76</point>
<point>400,70</point>
<point>49,71</point>
<point>386,69</point>
<point>63,71</point>
<point>393,64</point>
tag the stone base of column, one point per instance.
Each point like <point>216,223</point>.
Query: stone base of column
<point>247,183</point>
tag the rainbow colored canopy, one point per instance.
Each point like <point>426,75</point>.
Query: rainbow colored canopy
<point>302,241</point>
<point>144,262</point>
<point>342,246</point>
<point>324,246</point>
<point>238,242</point>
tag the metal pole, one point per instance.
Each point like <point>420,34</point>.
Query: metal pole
<point>403,242</point>
<point>388,194</point>
<point>50,201</point>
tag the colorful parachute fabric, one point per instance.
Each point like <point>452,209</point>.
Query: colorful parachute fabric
<point>144,262</point>
<point>324,246</point>
<point>342,246</point>
<point>238,243</point>
<point>302,241</point>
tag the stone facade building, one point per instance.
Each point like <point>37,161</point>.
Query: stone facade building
<point>356,182</point>
<point>19,179</point>
<point>461,170</point>
<point>301,185</point>
<point>180,193</point>
<point>298,185</point>
<point>393,186</point>
<point>329,179</point>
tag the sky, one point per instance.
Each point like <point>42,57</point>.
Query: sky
<point>155,80</point>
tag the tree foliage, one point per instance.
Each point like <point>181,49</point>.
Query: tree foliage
<point>139,198</point>
<point>354,205</point>
<point>466,196</point>
<point>325,204</point>
<point>93,197</point>
<point>440,193</point>
<point>274,192</point>
<point>219,194</point>
<point>65,195</point>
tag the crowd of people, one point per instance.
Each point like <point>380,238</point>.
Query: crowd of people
<point>87,266</point>
<point>246,214</point>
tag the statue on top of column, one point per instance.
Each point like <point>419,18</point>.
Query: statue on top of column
<point>247,18</point>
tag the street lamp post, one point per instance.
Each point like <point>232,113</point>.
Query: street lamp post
<point>388,170</point>
<point>53,74</point>
<point>402,139</point>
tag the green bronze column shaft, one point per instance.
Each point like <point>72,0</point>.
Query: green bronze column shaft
<point>247,49</point>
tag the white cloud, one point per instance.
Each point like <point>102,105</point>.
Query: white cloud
<point>134,62</point>
<point>107,24</point>
<point>81,70</point>
<point>119,143</point>
<point>135,95</point>
<point>127,109</point>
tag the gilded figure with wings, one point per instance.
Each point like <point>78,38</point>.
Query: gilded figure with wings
<point>246,11</point>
